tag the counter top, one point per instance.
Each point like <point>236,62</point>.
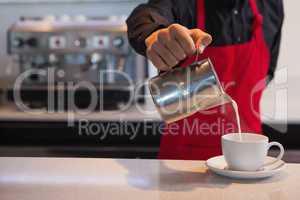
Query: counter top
<point>85,178</point>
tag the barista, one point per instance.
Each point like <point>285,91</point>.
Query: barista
<point>242,38</point>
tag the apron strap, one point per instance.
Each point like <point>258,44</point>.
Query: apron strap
<point>258,19</point>
<point>201,14</point>
<point>254,7</point>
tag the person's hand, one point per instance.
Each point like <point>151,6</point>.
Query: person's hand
<point>167,47</point>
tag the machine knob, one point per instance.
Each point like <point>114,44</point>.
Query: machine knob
<point>53,59</point>
<point>96,58</point>
<point>32,42</point>
<point>118,42</point>
<point>80,42</point>
<point>18,43</point>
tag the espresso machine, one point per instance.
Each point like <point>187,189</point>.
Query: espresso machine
<point>76,56</point>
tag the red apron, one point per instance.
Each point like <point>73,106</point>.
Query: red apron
<point>240,68</point>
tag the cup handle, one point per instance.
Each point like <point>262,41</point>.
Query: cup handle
<point>279,157</point>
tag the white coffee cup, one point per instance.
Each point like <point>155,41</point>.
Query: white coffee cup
<point>248,151</point>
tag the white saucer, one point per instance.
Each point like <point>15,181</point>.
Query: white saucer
<point>219,166</point>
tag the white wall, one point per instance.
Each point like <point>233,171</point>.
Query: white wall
<point>283,95</point>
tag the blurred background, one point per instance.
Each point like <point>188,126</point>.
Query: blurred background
<point>82,37</point>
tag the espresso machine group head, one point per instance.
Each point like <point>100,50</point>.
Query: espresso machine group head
<point>62,53</point>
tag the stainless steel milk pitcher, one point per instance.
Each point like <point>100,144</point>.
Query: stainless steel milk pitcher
<point>181,92</point>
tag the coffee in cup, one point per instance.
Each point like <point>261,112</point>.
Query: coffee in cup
<point>248,151</point>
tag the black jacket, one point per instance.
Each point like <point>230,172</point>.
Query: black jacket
<point>228,21</point>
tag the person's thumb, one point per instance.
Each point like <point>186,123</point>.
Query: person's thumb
<point>201,38</point>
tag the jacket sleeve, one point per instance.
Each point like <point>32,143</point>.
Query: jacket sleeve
<point>275,47</point>
<point>146,19</point>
